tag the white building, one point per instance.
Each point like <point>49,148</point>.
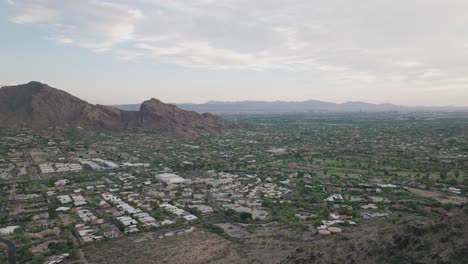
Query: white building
<point>8,230</point>
<point>170,178</point>
<point>64,199</point>
<point>46,168</point>
<point>61,182</point>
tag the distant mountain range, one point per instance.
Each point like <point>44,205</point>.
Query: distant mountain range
<point>38,106</point>
<point>259,107</point>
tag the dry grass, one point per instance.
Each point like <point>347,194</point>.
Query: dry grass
<point>266,246</point>
<point>197,247</point>
<point>438,196</point>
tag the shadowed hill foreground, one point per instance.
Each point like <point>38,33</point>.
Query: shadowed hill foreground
<point>38,106</point>
<point>444,240</point>
<point>411,240</point>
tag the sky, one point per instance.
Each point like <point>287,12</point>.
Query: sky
<point>407,52</point>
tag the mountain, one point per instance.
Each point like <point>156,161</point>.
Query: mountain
<point>40,106</point>
<point>155,114</point>
<point>242,107</point>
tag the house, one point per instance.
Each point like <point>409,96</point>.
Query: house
<point>56,259</point>
<point>369,206</point>
<point>97,221</point>
<point>8,230</point>
<point>190,217</point>
<point>335,198</point>
<point>79,200</point>
<point>204,209</point>
<point>127,221</point>
<point>260,214</point>
<point>454,190</point>
<point>111,234</point>
<point>62,209</point>
<point>305,215</point>
<point>64,199</point>
<point>374,215</point>
<point>103,204</point>
<point>115,212</point>
<point>170,178</point>
<point>44,224</point>
<point>46,168</point>
<point>61,182</point>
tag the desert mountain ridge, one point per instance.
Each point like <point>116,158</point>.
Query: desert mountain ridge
<point>267,107</point>
<point>39,106</point>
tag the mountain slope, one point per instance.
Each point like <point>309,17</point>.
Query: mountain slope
<point>40,106</point>
<point>37,105</point>
<point>442,240</point>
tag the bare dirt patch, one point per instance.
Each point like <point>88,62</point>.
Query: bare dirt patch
<point>424,193</point>
<point>66,219</point>
<point>233,230</point>
<point>196,247</point>
<point>438,196</point>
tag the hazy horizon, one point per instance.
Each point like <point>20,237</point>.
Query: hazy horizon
<point>246,100</point>
<point>296,101</point>
<point>409,53</point>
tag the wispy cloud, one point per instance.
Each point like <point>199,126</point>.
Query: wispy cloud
<point>95,25</point>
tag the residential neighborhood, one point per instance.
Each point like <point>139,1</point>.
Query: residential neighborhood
<point>64,190</point>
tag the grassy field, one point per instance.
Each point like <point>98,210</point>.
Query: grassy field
<point>38,156</point>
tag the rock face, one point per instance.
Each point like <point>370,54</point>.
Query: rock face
<point>38,106</point>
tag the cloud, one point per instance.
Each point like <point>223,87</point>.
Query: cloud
<point>90,24</point>
<point>201,54</point>
<point>343,41</point>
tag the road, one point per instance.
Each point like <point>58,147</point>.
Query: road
<point>35,175</point>
<point>11,250</point>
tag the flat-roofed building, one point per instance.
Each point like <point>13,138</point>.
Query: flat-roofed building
<point>170,178</point>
